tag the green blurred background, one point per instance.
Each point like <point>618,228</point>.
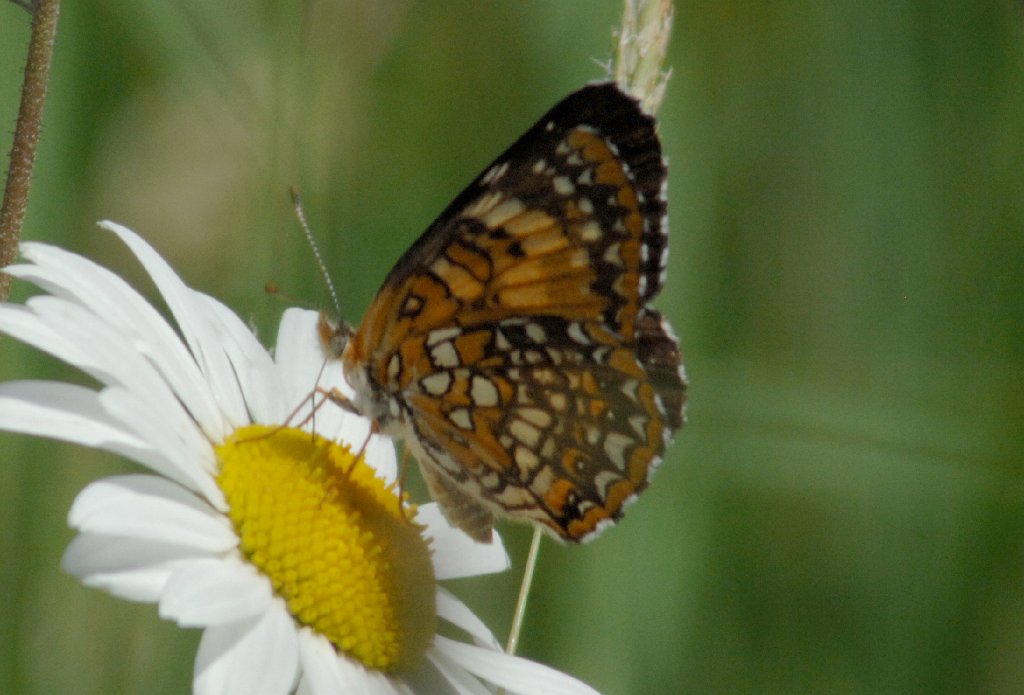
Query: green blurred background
<point>844,512</point>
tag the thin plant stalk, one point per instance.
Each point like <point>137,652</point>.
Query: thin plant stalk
<point>524,592</point>
<point>45,14</point>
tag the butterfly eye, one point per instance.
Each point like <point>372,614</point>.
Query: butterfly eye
<point>333,335</point>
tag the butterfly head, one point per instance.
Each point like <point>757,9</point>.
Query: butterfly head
<point>337,344</point>
<point>334,336</point>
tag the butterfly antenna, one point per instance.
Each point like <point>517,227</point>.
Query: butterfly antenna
<point>301,214</point>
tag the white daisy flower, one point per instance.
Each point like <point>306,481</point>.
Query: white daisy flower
<point>297,560</point>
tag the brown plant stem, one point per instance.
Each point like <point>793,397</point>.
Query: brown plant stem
<point>26,133</point>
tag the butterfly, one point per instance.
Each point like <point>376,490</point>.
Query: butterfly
<point>513,348</point>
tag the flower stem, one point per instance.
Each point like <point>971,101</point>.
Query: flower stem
<point>26,133</point>
<point>524,592</point>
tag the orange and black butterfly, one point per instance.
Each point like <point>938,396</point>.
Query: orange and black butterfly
<point>513,347</point>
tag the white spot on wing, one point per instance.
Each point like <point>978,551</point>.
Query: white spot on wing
<point>483,203</point>
<point>563,186</point>
<point>483,392</point>
<point>615,446</point>
<point>436,384</point>
<point>576,334</point>
<point>604,479</point>
<point>558,401</point>
<point>590,231</point>
<point>613,254</point>
<point>629,389</point>
<point>460,416</point>
<point>445,356</point>
<point>503,212</point>
<point>442,334</point>
<point>495,173</point>
<point>535,416</point>
<point>639,425</point>
<point>524,432</point>
<point>526,458</point>
<point>536,333</point>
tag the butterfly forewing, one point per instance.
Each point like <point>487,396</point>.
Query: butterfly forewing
<point>512,346</point>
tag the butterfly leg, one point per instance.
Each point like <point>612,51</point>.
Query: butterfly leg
<point>289,421</point>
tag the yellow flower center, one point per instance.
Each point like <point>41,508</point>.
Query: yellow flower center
<point>334,542</point>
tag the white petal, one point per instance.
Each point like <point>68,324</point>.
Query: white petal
<point>249,657</point>
<point>458,613</point>
<point>380,453</point>
<point>194,321</point>
<point>116,361</point>
<point>110,356</point>
<point>325,672</point>
<point>316,656</point>
<point>24,325</point>
<point>78,279</point>
<point>61,411</point>
<point>458,678</point>
<point>214,592</point>
<point>190,459</point>
<point>258,376</point>
<point>128,568</point>
<point>298,354</point>
<point>149,399</point>
<point>455,554</point>
<point>515,674</point>
<point>147,507</point>
<point>76,414</point>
